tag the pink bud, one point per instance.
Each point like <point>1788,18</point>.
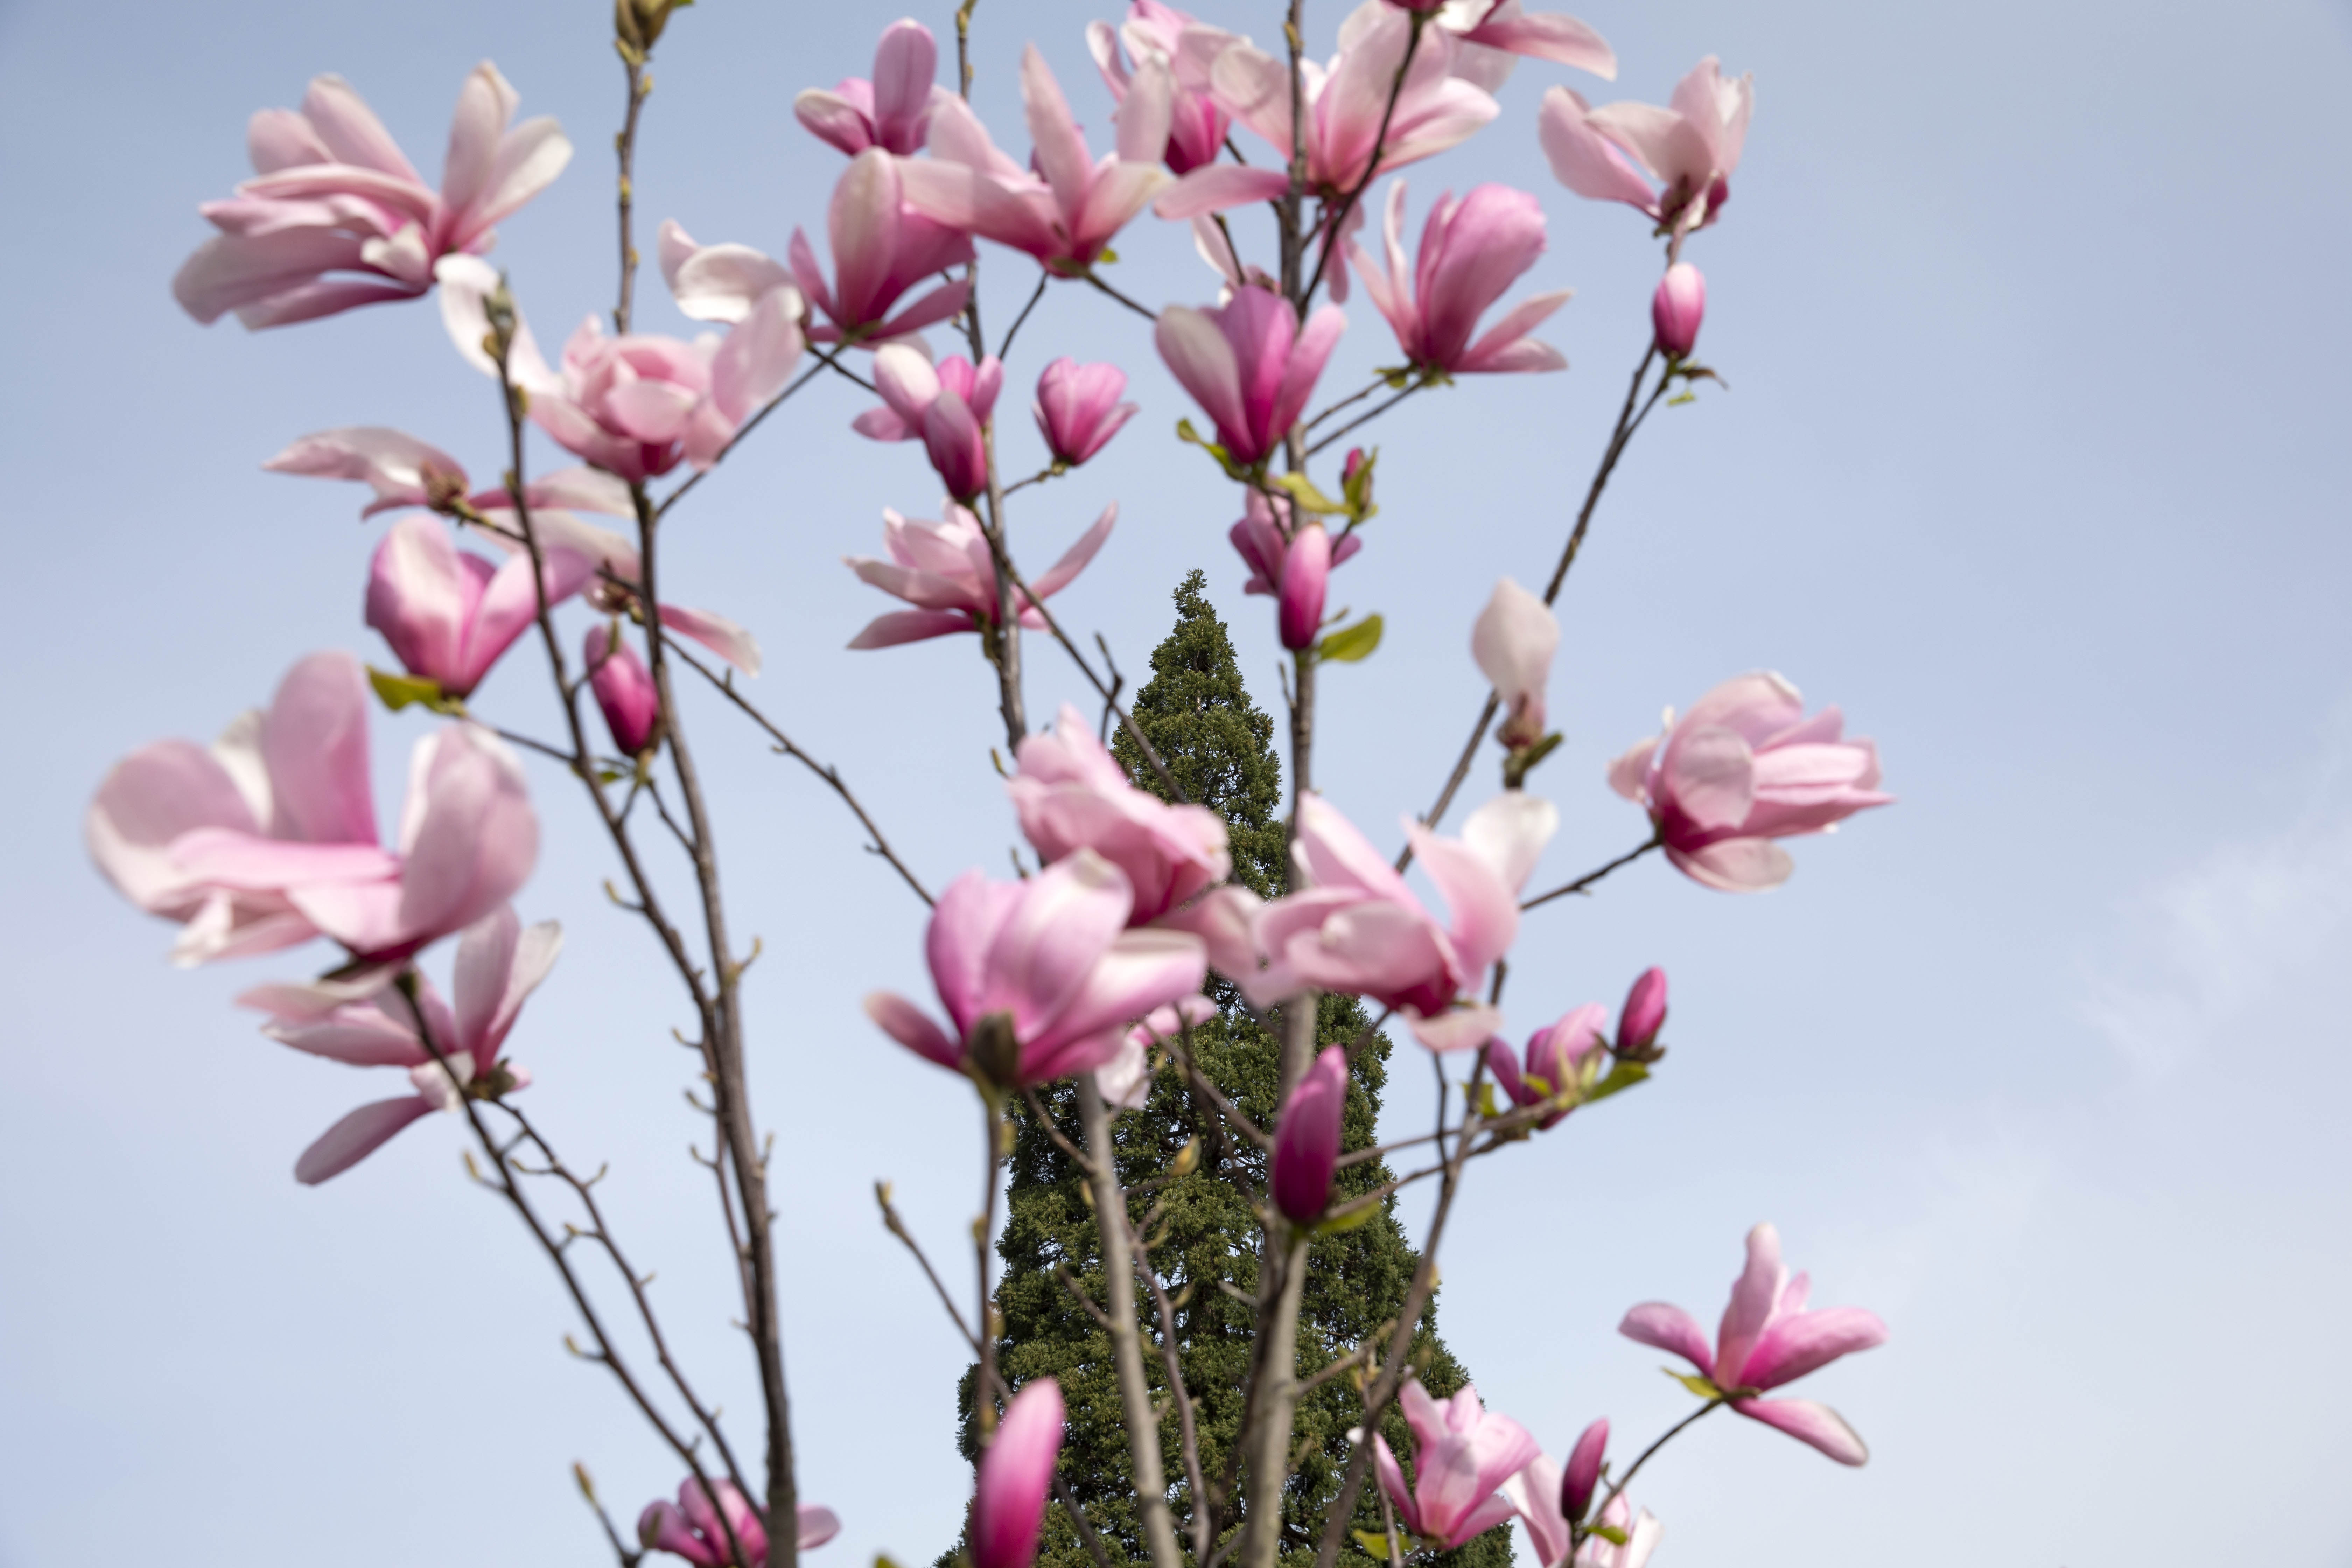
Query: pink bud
<point>1583,1471</point>
<point>1353,467</point>
<point>1015,1473</point>
<point>1078,410</point>
<point>1306,573</point>
<point>1644,1013</point>
<point>1306,1140</point>
<point>1678,307</point>
<point>624,691</point>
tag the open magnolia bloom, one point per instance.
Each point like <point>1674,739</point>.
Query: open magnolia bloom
<point>1462,1456</point>
<point>1072,794</point>
<point>1691,150</point>
<point>690,1526</point>
<point>1471,251</point>
<point>892,111</point>
<point>1153,31</point>
<point>1249,364</point>
<point>370,1024</point>
<point>946,571</point>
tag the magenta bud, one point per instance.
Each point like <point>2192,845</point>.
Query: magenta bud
<point>623,692</point>
<point>1583,1472</point>
<point>1306,573</point>
<point>1008,1501</point>
<point>1677,309</point>
<point>1644,1013</point>
<point>1307,1140</point>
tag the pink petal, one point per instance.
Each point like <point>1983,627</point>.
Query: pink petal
<point>1669,1327</point>
<point>357,1136</point>
<point>1220,187</point>
<point>1808,1342</point>
<point>315,744</point>
<point>1754,1295</point>
<point>1585,161</point>
<point>912,1027</point>
<point>910,625</point>
<point>1735,864</point>
<point>1807,1422</point>
<point>1074,560</point>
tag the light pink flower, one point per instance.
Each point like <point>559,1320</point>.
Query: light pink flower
<point>1066,212</point>
<point>369,1023</point>
<point>1471,251</point>
<point>690,1526</point>
<point>1265,547</point>
<point>1078,410</point>
<point>1306,575</point>
<point>947,407</point>
<point>1494,31</point>
<point>1125,1080</point>
<point>1196,130</point>
<point>1555,1055</point>
<point>1307,1139</point>
<point>1248,365</point>
<point>1677,309</point>
<point>269,838</point>
<point>1072,794</point>
<point>893,111</point>
<point>1513,640</point>
<point>945,570</point>
<point>1462,1456</point>
<point>624,691</point>
<point>1041,978</point>
<point>1743,767</point>
<point>1616,152</point>
<point>616,558</point>
<point>1537,1493</point>
<point>336,218</point>
<point>448,615</point>
<point>1016,1472</point>
<point>1767,1337</point>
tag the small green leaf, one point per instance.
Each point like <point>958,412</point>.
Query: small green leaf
<point>1537,1081</point>
<point>1610,1533</point>
<point>1679,398</point>
<point>1375,1544</point>
<point>1304,494</point>
<point>399,690</point>
<point>1351,644</point>
<point>1348,1220</point>
<point>1695,1384</point>
<point>1106,256</point>
<point>1624,1076</point>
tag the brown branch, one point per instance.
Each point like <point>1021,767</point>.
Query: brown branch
<point>1590,877</point>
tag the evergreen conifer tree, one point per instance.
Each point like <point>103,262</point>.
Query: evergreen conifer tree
<point>1219,747</point>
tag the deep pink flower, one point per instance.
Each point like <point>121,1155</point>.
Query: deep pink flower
<point>1462,1456</point>
<point>1072,794</point>
<point>1016,1472</point>
<point>1616,152</point>
<point>1078,410</point>
<point>1305,575</point>
<point>945,570</point>
<point>336,216</point>
<point>882,250</point>
<point>1555,1055</point>
<point>1041,978</point>
<point>1644,1013</point>
<point>1248,365</point>
<point>1768,1337</point>
<point>1066,214</point>
<point>269,838</point>
<point>1265,547</point>
<point>1583,1471</point>
<point>1677,309</point>
<point>368,1024</point>
<point>1307,1139</point>
<point>690,1526</point>
<point>624,691</point>
<point>1471,251</point>
<point>946,408</point>
<point>448,615</point>
<point>1743,767</point>
<point>1196,128</point>
<point>892,111</point>
<point>1513,640</point>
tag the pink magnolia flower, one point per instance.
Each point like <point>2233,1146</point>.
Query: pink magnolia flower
<point>882,247</point>
<point>1555,1055</point>
<point>1306,575</point>
<point>336,216</point>
<point>1743,767</point>
<point>690,1526</point>
<point>1078,410</point>
<point>449,615</point>
<point>1066,212</point>
<point>947,407</point>
<point>946,571</point>
<point>1248,365</point>
<point>1041,978</point>
<point>617,564</point>
<point>269,838</point>
<point>1616,152</point>
<point>1125,1080</point>
<point>1513,640</point>
<point>893,112</point>
<point>1016,1472</point>
<point>1072,794</point>
<point>1677,309</point>
<point>1767,1337</point>
<point>1536,1492</point>
<point>1644,1013</point>
<point>369,1023</point>
<point>1492,32</point>
<point>1196,129</point>
<point>1462,1458</point>
<point>1471,251</point>
<point>1262,539</point>
<point>1583,1472</point>
<point>624,691</point>
<point>1307,1139</point>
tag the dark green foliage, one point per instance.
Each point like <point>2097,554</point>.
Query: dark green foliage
<point>1205,1237</point>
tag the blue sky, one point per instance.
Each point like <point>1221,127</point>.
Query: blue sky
<point>2031,459</point>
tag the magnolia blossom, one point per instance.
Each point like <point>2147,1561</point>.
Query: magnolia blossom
<point>1677,309</point>
<point>1624,152</point>
<point>1016,1472</point>
<point>1513,640</point>
<point>624,691</point>
<point>1248,364</point>
<point>1644,1013</point>
<point>336,216</point>
<point>1305,575</point>
<point>1264,542</point>
<point>369,1023</point>
<point>611,588</point>
<point>1196,125</point>
<point>1078,410</point>
<point>1072,794</point>
<point>945,570</point>
<point>1743,767</point>
<point>1538,1493</point>
<point>1471,251</point>
<point>1125,1080</point>
<point>270,837</point>
<point>1065,214</point>
<point>893,111</point>
<point>449,615</point>
<point>1462,1458</point>
<point>947,407</point>
<point>1768,1337</point>
<point>1556,1056</point>
<point>1307,1139</point>
<point>690,1526</point>
<point>1583,1472</point>
<point>1493,31</point>
<point>1040,978</point>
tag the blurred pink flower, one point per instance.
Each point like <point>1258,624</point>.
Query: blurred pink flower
<point>1616,152</point>
<point>1537,1493</point>
<point>1644,1013</point>
<point>1305,577</point>
<point>946,571</point>
<point>1072,794</point>
<point>1248,364</point>
<point>1016,1472</point>
<point>1125,1080</point>
<point>893,111</point>
<point>1513,640</point>
<point>448,615</point>
<point>1462,1456</point>
<point>1264,546</point>
<point>1677,309</point>
<point>946,408</point>
<point>690,1526</point>
<point>1196,131</point>
<point>1554,1055</point>
<point>1307,1139</point>
<point>1078,410</point>
<point>624,691</point>
<point>1471,251</point>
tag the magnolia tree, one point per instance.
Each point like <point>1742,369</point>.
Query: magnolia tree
<point>1092,968</point>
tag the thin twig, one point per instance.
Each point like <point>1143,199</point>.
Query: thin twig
<point>745,429</point>
<point>1369,415</point>
<point>1126,719</point>
<point>1188,1436</point>
<point>1005,347</point>
<point>1620,1484</point>
<point>1585,881</point>
<point>1333,222</point>
<point>1145,312</point>
<point>1352,399</point>
<point>541,747</point>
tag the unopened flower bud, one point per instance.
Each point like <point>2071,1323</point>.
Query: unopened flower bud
<point>1678,307</point>
<point>1017,1473</point>
<point>1644,1015</point>
<point>1305,575</point>
<point>994,1049</point>
<point>1583,1472</point>
<point>1307,1140</point>
<point>624,691</point>
<point>1078,410</point>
